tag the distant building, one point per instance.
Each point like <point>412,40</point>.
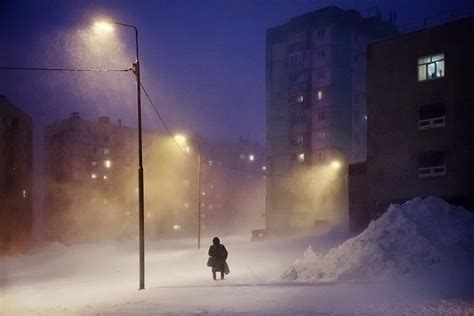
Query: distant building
<point>85,163</point>
<point>316,110</point>
<point>16,177</point>
<point>233,190</point>
<point>91,191</point>
<point>420,116</point>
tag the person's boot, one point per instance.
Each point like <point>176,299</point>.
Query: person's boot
<point>222,275</point>
<point>214,275</point>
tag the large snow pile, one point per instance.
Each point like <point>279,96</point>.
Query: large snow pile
<point>418,233</point>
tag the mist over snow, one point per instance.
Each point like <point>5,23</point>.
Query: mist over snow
<point>415,259</point>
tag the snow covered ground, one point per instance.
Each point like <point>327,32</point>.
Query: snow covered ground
<point>102,278</point>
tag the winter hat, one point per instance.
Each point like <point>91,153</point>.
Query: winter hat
<point>216,241</point>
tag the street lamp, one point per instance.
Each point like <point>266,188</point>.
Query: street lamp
<point>103,26</point>
<point>180,139</point>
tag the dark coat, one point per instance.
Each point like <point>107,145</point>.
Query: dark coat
<point>218,253</point>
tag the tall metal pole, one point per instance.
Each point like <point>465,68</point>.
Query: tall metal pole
<point>199,195</point>
<point>141,199</point>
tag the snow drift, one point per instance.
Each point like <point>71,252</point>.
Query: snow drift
<point>413,235</point>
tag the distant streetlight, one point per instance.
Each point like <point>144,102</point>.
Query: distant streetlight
<point>336,164</point>
<point>181,140</point>
<point>102,26</point>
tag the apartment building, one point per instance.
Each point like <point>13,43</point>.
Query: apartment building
<point>316,114</point>
<point>420,113</point>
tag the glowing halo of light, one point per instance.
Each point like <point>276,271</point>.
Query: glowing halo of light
<point>336,164</point>
<point>103,26</point>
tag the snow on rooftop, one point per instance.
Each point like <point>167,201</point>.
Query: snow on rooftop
<point>407,237</point>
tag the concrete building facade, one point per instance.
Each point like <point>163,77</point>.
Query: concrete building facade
<point>420,114</point>
<point>316,110</point>
<point>91,191</point>
<point>16,177</point>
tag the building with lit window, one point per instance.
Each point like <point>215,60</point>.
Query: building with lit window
<point>91,182</point>
<point>420,114</point>
<point>85,164</point>
<point>316,111</point>
<point>16,177</point>
<point>233,186</point>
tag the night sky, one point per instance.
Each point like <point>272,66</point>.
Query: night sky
<point>202,61</point>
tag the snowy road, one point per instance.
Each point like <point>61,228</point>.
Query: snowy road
<point>103,279</point>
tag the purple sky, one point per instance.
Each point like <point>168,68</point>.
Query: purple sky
<point>202,61</point>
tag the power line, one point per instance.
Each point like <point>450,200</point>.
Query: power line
<point>162,120</point>
<point>156,112</point>
<point>64,69</point>
<point>217,165</point>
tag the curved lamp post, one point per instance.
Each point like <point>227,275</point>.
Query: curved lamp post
<point>107,27</point>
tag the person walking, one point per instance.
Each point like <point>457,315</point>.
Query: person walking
<point>217,258</point>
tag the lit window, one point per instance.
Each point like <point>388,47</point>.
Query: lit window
<point>105,177</point>
<point>264,168</point>
<point>186,204</point>
<point>23,193</point>
<point>107,163</point>
<point>188,149</point>
<point>298,98</point>
<point>322,135</point>
<point>176,228</point>
<point>94,163</point>
<point>300,157</point>
<point>94,176</point>
<point>431,67</point>
<point>298,139</point>
<point>251,157</point>
<point>106,151</point>
<point>242,156</point>
<point>320,94</point>
<point>431,116</point>
<point>431,164</point>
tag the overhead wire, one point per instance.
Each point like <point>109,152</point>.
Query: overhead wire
<point>216,165</point>
<point>64,69</point>
<point>160,117</point>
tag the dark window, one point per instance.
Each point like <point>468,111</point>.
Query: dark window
<point>299,77</point>
<point>297,58</point>
<point>15,124</point>
<point>432,163</point>
<point>431,116</point>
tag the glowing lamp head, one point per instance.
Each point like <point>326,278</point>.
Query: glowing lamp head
<point>180,139</point>
<point>103,27</point>
<point>336,164</point>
